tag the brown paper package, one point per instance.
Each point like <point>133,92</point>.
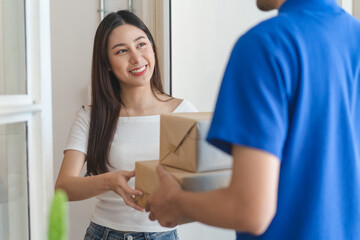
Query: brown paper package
<point>183,144</point>
<point>146,180</point>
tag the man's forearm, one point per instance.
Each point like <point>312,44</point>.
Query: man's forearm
<point>222,208</point>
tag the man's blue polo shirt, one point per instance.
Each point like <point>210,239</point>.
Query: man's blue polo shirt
<point>292,88</point>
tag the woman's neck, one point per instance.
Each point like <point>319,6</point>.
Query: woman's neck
<point>138,101</point>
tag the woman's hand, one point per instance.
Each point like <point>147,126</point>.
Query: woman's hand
<point>118,182</point>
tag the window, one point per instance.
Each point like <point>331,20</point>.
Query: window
<point>26,172</point>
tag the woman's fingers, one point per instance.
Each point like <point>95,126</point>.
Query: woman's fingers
<point>129,191</point>
<point>120,181</point>
<point>130,201</point>
<point>128,174</point>
<point>121,187</point>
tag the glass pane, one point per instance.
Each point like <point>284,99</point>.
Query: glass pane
<point>14,211</point>
<point>12,47</point>
<point>114,5</point>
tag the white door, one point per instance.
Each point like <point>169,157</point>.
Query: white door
<point>26,182</point>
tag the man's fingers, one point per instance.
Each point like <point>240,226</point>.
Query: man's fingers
<point>168,223</point>
<point>162,173</point>
<point>147,206</point>
<point>152,216</point>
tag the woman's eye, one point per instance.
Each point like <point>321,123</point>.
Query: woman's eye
<point>121,51</point>
<point>141,44</point>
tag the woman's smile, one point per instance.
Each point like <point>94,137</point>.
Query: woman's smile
<point>139,71</point>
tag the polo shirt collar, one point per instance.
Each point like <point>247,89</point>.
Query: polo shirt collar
<point>309,5</point>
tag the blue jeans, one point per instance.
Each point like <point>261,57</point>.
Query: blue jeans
<point>97,232</point>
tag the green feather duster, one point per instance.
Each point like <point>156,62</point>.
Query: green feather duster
<point>58,222</point>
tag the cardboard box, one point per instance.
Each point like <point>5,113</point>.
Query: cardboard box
<point>183,143</point>
<point>146,180</point>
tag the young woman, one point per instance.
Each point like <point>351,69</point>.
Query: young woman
<point>119,128</point>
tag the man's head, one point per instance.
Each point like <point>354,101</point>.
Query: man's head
<point>266,5</point>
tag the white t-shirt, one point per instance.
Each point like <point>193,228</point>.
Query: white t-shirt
<point>135,139</point>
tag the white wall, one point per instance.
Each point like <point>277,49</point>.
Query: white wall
<point>201,43</point>
<point>73,25</point>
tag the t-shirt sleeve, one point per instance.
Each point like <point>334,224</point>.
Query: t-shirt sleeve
<point>186,106</point>
<point>251,109</point>
<point>78,137</point>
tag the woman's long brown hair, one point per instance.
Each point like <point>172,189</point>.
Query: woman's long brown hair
<point>106,99</point>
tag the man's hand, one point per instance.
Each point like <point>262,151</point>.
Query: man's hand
<point>162,203</point>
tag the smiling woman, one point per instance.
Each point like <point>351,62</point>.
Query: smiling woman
<point>127,100</point>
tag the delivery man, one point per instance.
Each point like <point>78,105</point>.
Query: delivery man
<point>289,113</point>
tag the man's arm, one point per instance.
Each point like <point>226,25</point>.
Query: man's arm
<point>248,204</point>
